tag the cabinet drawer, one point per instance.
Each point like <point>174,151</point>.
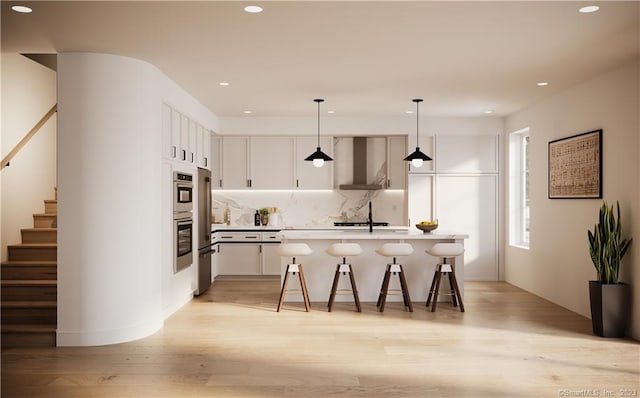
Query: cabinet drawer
<point>238,237</point>
<point>270,237</point>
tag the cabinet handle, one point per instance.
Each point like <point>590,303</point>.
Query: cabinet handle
<point>220,183</point>
<point>206,162</point>
<point>191,157</point>
<point>174,151</point>
<point>250,237</point>
<point>226,237</point>
<point>388,183</point>
<point>184,154</point>
<point>249,183</point>
<point>297,183</point>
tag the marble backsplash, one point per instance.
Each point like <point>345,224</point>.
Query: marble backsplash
<point>311,208</point>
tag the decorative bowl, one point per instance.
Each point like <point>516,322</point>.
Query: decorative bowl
<point>426,228</point>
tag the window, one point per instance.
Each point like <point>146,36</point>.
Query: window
<point>519,194</point>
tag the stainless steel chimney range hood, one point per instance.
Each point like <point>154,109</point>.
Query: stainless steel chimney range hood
<point>360,167</point>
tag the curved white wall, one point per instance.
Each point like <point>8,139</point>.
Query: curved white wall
<point>109,187</point>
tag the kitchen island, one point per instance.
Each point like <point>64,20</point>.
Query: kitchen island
<point>369,267</point>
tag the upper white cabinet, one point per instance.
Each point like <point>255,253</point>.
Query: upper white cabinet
<point>466,154</point>
<point>396,165</point>
<point>203,147</point>
<point>216,161</point>
<point>307,175</point>
<point>271,162</point>
<point>234,162</point>
<point>184,140</point>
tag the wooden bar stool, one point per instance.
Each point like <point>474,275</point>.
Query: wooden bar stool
<point>294,250</point>
<point>394,250</point>
<point>344,250</point>
<point>444,251</point>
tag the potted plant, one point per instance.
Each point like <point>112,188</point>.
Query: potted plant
<point>264,216</point>
<point>609,298</point>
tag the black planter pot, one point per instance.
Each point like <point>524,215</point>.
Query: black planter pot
<point>609,308</point>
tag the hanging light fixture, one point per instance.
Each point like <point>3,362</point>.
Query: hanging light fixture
<point>318,157</point>
<point>417,157</point>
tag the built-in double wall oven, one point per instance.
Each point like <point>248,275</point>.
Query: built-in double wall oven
<point>182,220</point>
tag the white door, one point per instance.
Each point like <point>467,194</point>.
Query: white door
<point>468,204</point>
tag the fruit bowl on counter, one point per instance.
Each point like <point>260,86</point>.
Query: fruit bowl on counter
<point>427,226</point>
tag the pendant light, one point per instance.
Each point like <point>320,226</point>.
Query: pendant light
<point>417,157</point>
<point>318,157</point>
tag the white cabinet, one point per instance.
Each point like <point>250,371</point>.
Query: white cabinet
<point>247,253</point>
<point>271,162</point>
<point>203,147</point>
<point>235,162</point>
<point>270,259</point>
<point>466,154</point>
<point>238,259</point>
<point>216,175</point>
<point>184,140</point>
<point>396,165</point>
<point>469,203</point>
<point>420,202</point>
<point>307,175</point>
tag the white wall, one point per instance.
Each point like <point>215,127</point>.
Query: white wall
<point>557,267</point>
<point>112,187</point>
<point>28,92</point>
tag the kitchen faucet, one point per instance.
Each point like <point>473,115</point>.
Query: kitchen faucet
<point>370,221</point>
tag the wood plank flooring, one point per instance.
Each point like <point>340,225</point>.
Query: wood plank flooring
<point>230,342</point>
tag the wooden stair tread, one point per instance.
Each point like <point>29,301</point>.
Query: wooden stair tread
<point>29,304</point>
<point>34,245</point>
<point>43,229</point>
<point>28,263</point>
<point>28,328</point>
<point>30,282</point>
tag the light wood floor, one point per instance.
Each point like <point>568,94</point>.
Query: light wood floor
<point>231,343</point>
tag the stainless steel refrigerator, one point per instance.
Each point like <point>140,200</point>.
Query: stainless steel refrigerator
<point>204,230</point>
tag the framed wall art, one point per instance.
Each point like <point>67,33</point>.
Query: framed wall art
<point>575,166</point>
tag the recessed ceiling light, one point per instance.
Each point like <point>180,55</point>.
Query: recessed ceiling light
<point>224,83</point>
<point>22,9</point>
<point>331,112</point>
<point>488,112</point>
<point>247,112</point>
<point>588,9</point>
<point>408,112</point>
<point>541,84</point>
<point>253,9</point>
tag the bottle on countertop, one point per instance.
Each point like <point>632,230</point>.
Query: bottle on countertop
<point>256,219</point>
<point>227,216</point>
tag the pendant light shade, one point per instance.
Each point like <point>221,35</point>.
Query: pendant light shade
<point>417,157</point>
<point>318,157</point>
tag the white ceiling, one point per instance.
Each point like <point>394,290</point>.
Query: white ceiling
<point>365,58</point>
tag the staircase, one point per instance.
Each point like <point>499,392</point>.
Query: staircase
<point>29,284</point>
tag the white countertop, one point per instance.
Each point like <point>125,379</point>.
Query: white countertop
<point>224,227</point>
<point>378,233</point>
